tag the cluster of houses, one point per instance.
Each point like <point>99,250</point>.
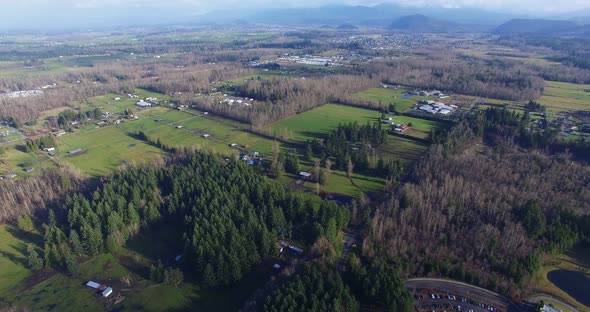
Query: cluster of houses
<point>251,159</point>
<point>312,60</point>
<point>576,123</point>
<point>232,100</point>
<point>433,107</point>
<point>104,290</point>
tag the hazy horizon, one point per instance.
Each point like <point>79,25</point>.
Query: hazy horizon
<point>42,14</point>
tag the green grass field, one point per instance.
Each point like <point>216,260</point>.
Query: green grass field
<point>420,128</point>
<point>318,122</point>
<point>105,149</point>
<point>13,257</point>
<point>389,95</point>
<point>107,102</point>
<point>560,96</point>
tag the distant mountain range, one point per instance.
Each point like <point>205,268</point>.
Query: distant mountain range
<point>412,19</point>
<point>422,23</point>
<point>534,26</point>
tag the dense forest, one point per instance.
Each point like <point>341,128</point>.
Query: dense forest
<point>320,287</point>
<point>492,212</point>
<point>230,216</point>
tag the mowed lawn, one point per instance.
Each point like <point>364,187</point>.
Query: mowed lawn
<point>388,95</point>
<point>405,149</point>
<point>560,96</point>
<point>318,122</point>
<point>105,149</point>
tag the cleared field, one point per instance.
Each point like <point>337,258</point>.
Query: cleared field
<point>318,122</point>
<point>420,128</point>
<point>107,102</point>
<point>560,96</point>
<point>194,125</point>
<point>105,149</point>
<point>388,95</point>
<point>405,149</point>
<point>13,258</point>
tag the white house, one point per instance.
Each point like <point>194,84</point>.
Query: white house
<point>142,103</point>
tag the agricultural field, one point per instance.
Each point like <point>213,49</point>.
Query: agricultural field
<point>318,122</point>
<point>560,96</point>
<point>388,95</point>
<point>107,103</point>
<point>104,150</point>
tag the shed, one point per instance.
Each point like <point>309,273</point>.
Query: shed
<point>142,103</point>
<point>179,127</point>
<point>49,149</point>
<point>93,285</point>
<point>305,174</point>
<point>75,151</point>
<point>29,169</point>
<point>276,266</point>
<point>107,292</point>
<point>206,135</point>
<point>10,176</point>
<point>234,145</point>
<point>296,249</point>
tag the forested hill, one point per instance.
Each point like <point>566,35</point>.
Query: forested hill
<point>230,216</point>
<point>534,27</point>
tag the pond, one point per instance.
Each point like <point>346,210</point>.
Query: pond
<point>575,284</point>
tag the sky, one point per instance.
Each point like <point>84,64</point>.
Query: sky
<point>37,13</point>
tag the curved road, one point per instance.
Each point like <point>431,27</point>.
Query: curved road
<point>479,294</point>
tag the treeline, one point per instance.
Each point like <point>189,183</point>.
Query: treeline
<point>33,195</point>
<point>65,118</point>
<point>40,143</point>
<point>493,79</point>
<point>492,214</point>
<point>279,98</point>
<point>321,287</point>
<point>352,146</point>
<point>230,216</point>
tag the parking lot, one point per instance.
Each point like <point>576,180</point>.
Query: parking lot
<point>435,300</point>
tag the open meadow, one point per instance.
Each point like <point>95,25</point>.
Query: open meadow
<point>385,96</point>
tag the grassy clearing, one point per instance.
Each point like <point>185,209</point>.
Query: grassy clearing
<point>320,121</point>
<point>107,102</point>
<point>405,149</point>
<point>420,128</point>
<point>388,95</point>
<point>560,96</point>
<point>104,150</point>
<point>13,257</point>
<point>578,260</point>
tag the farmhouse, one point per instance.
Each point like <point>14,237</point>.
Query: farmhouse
<point>401,128</point>
<point>142,103</point>
<point>305,174</point>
